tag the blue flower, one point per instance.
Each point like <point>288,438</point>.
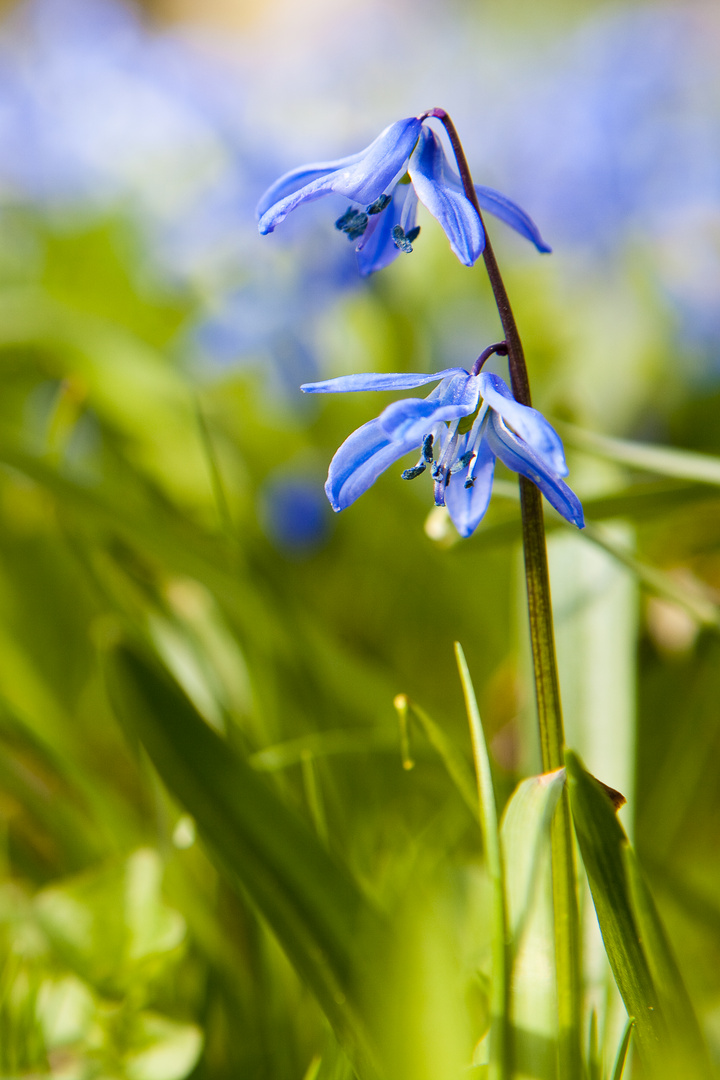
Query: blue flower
<point>293,513</point>
<point>463,425</point>
<point>384,182</point>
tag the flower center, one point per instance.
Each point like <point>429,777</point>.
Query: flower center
<point>467,422</point>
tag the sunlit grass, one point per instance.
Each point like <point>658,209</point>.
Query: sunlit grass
<point>168,908</point>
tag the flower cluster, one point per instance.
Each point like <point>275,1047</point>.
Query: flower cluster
<point>384,182</point>
<point>471,418</point>
<point>467,422</point>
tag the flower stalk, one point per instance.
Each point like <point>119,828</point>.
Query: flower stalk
<point>550,721</point>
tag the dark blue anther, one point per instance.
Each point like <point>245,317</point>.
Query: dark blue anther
<point>437,471</point>
<point>426,459</point>
<point>379,205</point>
<point>344,221</point>
<point>466,458</point>
<point>357,226</point>
<point>400,240</point>
<point>470,481</point>
<point>353,222</point>
<point>412,236</point>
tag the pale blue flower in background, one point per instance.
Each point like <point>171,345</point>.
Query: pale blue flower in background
<point>608,132</point>
<point>622,126</point>
<point>100,115</point>
<point>294,513</point>
<point>87,115</point>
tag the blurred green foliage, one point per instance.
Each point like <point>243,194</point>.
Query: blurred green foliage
<point>130,485</point>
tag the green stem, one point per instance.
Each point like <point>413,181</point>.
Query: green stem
<point>552,736</point>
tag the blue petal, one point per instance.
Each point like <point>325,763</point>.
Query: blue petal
<point>440,190</point>
<point>519,457</point>
<point>361,177</point>
<point>467,506</point>
<point>299,178</point>
<point>511,214</point>
<point>382,164</point>
<point>529,423</point>
<point>278,211</point>
<point>376,248</point>
<point>402,381</point>
<point>360,460</point>
<point>414,417</point>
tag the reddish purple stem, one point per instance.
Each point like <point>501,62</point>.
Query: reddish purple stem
<point>516,357</point>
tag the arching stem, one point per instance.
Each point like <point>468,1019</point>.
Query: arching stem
<point>552,737</point>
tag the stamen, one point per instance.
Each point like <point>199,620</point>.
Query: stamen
<point>379,205</point>
<point>412,236</point>
<point>357,227</point>
<point>463,461</point>
<point>346,218</point>
<point>426,459</point>
<point>475,438</point>
<point>442,470</point>
<point>353,222</point>
<point>400,240</point>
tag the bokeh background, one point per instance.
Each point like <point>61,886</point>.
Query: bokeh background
<point>160,470</point>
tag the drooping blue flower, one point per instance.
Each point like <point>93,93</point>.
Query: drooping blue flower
<point>463,425</point>
<point>384,182</point>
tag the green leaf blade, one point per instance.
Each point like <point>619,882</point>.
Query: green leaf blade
<point>525,835</point>
<point>500,1051</point>
<point>316,910</point>
<point>668,1043</point>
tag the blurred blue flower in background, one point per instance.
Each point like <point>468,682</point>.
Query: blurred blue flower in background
<point>94,108</point>
<point>294,514</point>
<point>622,127</point>
<point>464,424</point>
<point>608,132</point>
<point>383,215</point>
<point>101,115</point>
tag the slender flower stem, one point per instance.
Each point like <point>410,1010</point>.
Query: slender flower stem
<point>552,737</point>
<point>500,348</point>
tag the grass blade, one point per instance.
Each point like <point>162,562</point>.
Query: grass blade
<point>452,758</point>
<point>665,972</point>
<point>500,1053</point>
<point>668,1045</point>
<point>622,1053</point>
<point>663,460</point>
<point>526,851</point>
<point>525,829</point>
<point>697,601</point>
<point>316,910</point>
